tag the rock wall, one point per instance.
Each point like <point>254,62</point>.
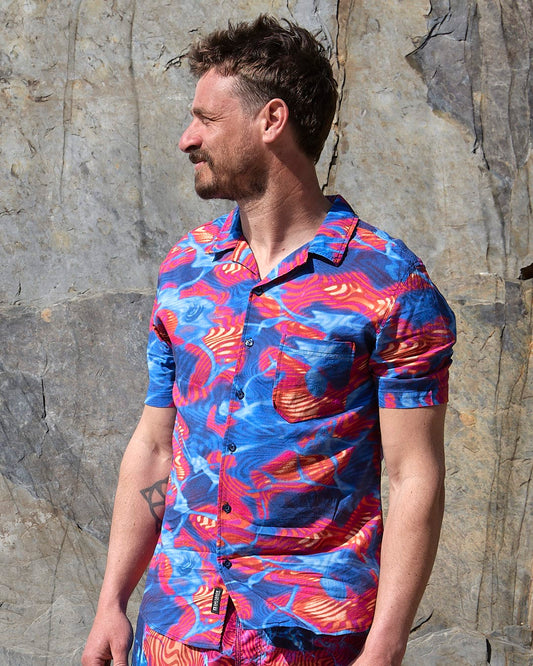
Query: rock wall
<point>431,142</point>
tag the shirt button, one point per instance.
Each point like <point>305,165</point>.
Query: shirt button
<point>226,507</point>
<point>249,342</point>
<point>240,394</point>
<point>232,447</point>
<point>227,564</point>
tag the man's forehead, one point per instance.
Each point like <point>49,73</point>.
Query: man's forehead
<point>213,90</point>
<point>214,82</point>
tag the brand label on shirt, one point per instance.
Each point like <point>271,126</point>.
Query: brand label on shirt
<point>217,596</point>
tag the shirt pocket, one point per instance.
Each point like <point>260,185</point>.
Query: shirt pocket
<point>312,378</point>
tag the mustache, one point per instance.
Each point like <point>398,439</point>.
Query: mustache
<point>199,156</point>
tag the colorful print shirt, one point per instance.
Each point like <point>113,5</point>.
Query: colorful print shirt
<point>274,494</point>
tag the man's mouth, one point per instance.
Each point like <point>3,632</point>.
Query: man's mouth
<point>198,158</point>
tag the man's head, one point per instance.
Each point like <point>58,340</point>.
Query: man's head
<point>224,142</point>
<point>273,60</point>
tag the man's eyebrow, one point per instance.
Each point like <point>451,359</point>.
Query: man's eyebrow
<point>199,112</point>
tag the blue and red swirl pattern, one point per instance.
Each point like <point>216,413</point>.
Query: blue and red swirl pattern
<point>273,498</point>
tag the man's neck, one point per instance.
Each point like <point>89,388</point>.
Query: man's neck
<point>286,217</point>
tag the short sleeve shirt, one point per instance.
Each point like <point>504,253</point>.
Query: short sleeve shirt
<point>273,498</point>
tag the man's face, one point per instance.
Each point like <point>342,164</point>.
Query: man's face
<point>223,142</point>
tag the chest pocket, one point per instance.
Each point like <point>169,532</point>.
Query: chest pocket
<point>312,378</point>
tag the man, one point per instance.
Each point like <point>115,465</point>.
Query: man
<point>291,345</point>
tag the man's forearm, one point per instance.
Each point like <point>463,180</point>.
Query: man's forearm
<point>408,551</point>
<point>413,449</point>
<point>137,515</point>
<point>134,533</point>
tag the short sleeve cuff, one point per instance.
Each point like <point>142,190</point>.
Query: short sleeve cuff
<point>158,400</point>
<point>414,392</point>
<point>161,371</point>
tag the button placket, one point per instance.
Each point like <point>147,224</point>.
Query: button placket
<point>248,342</point>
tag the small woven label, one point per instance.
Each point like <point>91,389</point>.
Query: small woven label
<point>217,596</point>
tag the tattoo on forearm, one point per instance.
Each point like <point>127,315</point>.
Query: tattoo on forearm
<point>155,496</point>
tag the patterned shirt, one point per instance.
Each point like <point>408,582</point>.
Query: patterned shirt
<point>273,498</point>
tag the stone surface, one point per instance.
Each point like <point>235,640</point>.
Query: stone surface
<point>52,571</point>
<point>448,646</point>
<point>484,559</point>
<point>72,380</point>
<point>476,62</point>
<point>431,142</point>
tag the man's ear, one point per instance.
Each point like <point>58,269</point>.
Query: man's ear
<point>274,119</point>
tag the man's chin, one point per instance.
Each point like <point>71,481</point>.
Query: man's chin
<point>206,192</point>
<point>213,190</point>
<point>204,188</point>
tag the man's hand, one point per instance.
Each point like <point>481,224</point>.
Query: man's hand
<point>385,658</point>
<point>110,638</point>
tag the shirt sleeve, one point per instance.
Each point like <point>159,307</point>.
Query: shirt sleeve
<point>161,364</point>
<point>413,349</point>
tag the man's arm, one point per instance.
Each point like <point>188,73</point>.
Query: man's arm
<point>137,514</point>
<point>413,449</point>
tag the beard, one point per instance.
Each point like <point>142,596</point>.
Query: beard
<point>235,179</point>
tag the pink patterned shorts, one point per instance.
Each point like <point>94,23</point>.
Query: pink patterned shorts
<point>278,646</point>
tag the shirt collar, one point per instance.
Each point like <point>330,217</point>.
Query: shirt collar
<point>335,232</point>
<point>330,242</point>
<point>229,234</point>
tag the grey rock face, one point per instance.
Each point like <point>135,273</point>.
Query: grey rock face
<point>72,380</point>
<point>484,565</point>
<point>431,142</point>
<point>52,571</point>
<point>476,62</point>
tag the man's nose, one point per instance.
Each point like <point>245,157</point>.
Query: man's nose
<point>190,139</point>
